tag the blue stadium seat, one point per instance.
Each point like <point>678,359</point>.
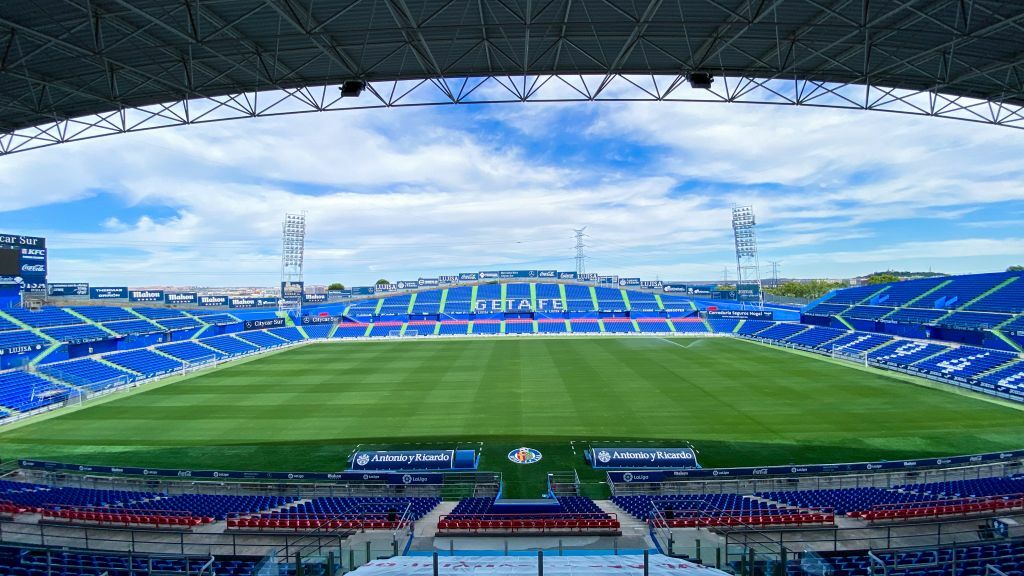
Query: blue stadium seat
<point>291,334</point>
<point>190,351</point>
<point>229,345</point>
<point>19,338</point>
<point>159,313</point>
<point>146,362</point>
<point>459,300</point>
<point>88,373</point>
<point>24,391</point>
<point>104,313</point>
<point>133,327</point>
<point>77,334</point>
<point>262,339</point>
<point>44,317</point>
<point>965,361</point>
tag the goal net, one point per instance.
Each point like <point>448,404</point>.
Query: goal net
<point>189,366</point>
<point>850,355</point>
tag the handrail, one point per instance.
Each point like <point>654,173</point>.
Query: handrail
<point>209,564</point>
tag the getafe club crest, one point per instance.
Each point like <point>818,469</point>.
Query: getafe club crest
<point>604,457</point>
<point>524,455</point>
<point>362,459</point>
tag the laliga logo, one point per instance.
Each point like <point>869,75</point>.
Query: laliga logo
<point>524,455</point>
<point>627,477</point>
<point>604,457</point>
<point>407,479</point>
<point>362,460</point>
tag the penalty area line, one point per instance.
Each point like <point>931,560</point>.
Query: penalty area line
<point>683,346</point>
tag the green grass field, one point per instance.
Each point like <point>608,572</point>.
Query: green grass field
<point>737,402</point>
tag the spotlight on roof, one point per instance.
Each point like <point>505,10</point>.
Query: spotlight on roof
<point>352,88</point>
<point>701,80</point>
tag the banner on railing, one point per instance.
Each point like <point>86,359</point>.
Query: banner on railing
<point>741,314</point>
<point>400,460</point>
<point>817,469</point>
<point>347,477</point>
<point>627,457</point>
<point>264,324</point>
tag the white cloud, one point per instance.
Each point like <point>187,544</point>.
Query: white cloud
<point>409,192</point>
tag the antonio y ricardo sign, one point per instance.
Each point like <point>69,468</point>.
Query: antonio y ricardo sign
<point>638,458</point>
<point>402,460</point>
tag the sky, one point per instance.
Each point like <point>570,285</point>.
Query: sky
<point>407,193</point>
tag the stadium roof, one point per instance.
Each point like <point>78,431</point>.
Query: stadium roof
<point>64,59</point>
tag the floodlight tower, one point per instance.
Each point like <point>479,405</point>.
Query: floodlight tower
<point>293,247</point>
<point>581,260</point>
<point>748,269</point>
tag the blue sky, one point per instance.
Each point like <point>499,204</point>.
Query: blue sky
<point>419,192</point>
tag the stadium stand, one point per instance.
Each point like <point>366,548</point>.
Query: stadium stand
<point>963,560</point>
<point>551,326</point>
<point>427,302</point>
<point>24,392</point>
<point>690,511</point>
<point>44,318</point>
<point>965,361</point>
<point>364,512</point>
<point>853,295</point>
<point>6,324</point>
<point>974,320</point>
<point>454,327</point>
<point>752,327</point>
<point>609,299</point>
<point>578,299</point>
<point>382,329</point>
<point>218,319</point>
<point>104,313</point>
<point>1008,299</point>
<point>826,309</point>
<point>619,325</point>
<point>643,302</point>
<point>228,345</point>
<point>145,362</point>
<point>37,562</point>
<point>127,327</point>
<point>261,339</point>
<point>1009,379</point>
<point>916,315</point>
<point>584,325</point>
<point>345,330</point>
<point>181,323</point>
<point>962,289</point>
<point>867,312</point>
<point>395,305</point>
<point>653,325</point>
<point>816,337</point>
<point>88,373</point>
<point>574,514</point>
<point>518,297</point>
<point>485,327</point>
<point>903,293</point>
<point>723,325</point>
<point>858,342</point>
<point>77,334</point>
<point>689,324</point>
<point>459,300</point>
<point>159,313</point>
<point>904,352</point>
<point>781,331</point>
<point>290,334</point>
<point>518,326</point>
<point>17,338</point>
<point>189,351</point>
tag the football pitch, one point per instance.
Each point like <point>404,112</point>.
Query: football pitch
<point>306,408</point>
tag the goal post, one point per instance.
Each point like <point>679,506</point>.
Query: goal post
<point>189,366</point>
<point>843,353</point>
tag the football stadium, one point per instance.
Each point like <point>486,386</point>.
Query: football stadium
<point>516,419</point>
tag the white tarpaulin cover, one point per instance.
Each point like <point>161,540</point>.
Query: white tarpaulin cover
<point>527,566</point>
